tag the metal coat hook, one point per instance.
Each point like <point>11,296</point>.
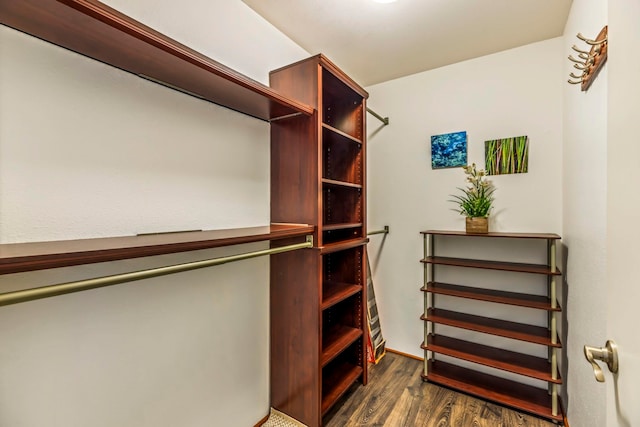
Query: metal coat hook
<point>589,41</point>
<point>574,47</point>
<point>591,61</point>
<point>571,58</point>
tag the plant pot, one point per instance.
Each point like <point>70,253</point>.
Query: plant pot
<point>477,225</point>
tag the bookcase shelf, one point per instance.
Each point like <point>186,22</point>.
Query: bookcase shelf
<point>339,135</point>
<point>336,340</point>
<point>334,292</point>
<point>341,226</point>
<point>340,183</point>
<point>345,244</point>
<point>336,381</point>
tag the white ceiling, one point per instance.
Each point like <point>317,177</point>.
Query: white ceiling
<point>375,42</point>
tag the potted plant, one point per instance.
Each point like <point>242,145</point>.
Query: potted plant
<point>476,201</point>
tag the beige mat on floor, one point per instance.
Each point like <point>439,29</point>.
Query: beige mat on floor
<point>278,419</point>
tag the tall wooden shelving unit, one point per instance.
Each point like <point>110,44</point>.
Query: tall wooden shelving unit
<point>318,301</point>
<point>514,393</point>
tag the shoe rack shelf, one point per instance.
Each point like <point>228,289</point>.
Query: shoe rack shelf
<point>543,402</point>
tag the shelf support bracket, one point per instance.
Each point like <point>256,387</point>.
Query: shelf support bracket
<point>383,231</point>
<point>384,120</point>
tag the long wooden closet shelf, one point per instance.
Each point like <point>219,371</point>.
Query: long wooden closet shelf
<point>21,257</point>
<point>93,29</point>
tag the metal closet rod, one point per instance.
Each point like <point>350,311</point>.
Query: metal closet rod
<point>384,120</point>
<point>384,231</point>
<point>32,294</point>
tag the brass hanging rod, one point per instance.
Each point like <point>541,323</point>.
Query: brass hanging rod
<point>384,120</point>
<point>384,231</point>
<point>32,294</point>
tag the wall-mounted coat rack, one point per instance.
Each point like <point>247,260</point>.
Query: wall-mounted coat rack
<point>589,62</point>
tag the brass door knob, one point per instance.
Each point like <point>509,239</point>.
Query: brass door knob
<point>608,354</point>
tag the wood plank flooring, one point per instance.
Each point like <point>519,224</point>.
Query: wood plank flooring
<point>396,396</point>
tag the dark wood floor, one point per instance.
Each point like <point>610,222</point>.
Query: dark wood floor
<point>396,396</point>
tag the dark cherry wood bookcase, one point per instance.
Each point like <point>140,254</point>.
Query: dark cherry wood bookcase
<point>543,402</point>
<point>318,301</point>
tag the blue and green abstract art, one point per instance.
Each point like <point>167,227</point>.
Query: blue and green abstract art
<point>449,150</point>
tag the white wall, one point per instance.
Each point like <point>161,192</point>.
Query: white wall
<point>86,151</point>
<point>584,218</point>
<point>516,92</point>
<point>623,268</point>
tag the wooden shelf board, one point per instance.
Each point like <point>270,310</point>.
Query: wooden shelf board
<point>492,265</point>
<point>334,292</point>
<point>489,295</point>
<point>20,257</point>
<point>341,133</point>
<point>98,31</point>
<point>336,340</point>
<point>341,226</point>
<point>345,244</point>
<point>518,363</point>
<point>510,393</point>
<point>503,328</point>
<point>337,183</point>
<point>546,236</point>
<point>337,383</point>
